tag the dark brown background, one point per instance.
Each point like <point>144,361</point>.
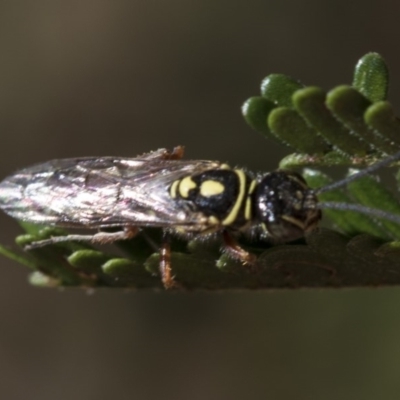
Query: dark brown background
<point>121,77</point>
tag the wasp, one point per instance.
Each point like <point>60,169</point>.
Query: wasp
<point>160,189</point>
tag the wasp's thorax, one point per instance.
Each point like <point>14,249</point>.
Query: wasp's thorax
<point>285,206</point>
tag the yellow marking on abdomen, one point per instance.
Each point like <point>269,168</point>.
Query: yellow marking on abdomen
<point>211,188</point>
<point>252,186</point>
<point>185,185</point>
<point>247,208</point>
<point>239,200</point>
<point>172,190</point>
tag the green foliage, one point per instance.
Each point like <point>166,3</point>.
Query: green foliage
<point>359,261</point>
<point>349,125</point>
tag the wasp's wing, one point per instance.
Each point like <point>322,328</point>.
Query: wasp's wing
<point>101,192</point>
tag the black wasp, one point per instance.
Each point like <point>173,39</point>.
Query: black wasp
<point>159,189</point>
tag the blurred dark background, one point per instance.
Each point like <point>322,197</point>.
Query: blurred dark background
<point>121,77</point>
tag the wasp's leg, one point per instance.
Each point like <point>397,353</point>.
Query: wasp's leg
<point>99,237</point>
<point>233,248</point>
<point>164,154</point>
<point>165,265</point>
<point>176,153</point>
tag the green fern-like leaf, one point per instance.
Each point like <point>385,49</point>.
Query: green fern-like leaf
<point>363,260</point>
<point>349,125</point>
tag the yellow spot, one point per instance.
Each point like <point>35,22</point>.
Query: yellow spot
<point>224,166</point>
<point>211,188</point>
<point>264,227</point>
<point>299,194</point>
<point>172,190</point>
<point>239,200</point>
<point>213,220</point>
<point>185,185</point>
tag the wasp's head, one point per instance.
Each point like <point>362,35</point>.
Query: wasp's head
<point>285,206</point>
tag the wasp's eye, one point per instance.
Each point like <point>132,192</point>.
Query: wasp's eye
<point>279,204</point>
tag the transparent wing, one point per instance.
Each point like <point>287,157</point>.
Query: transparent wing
<point>101,192</point>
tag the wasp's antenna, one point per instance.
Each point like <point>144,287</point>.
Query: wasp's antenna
<point>372,212</point>
<point>366,171</point>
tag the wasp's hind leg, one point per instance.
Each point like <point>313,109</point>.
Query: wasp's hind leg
<point>237,252</point>
<point>97,238</point>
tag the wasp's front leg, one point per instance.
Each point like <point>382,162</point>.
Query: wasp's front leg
<point>237,252</point>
